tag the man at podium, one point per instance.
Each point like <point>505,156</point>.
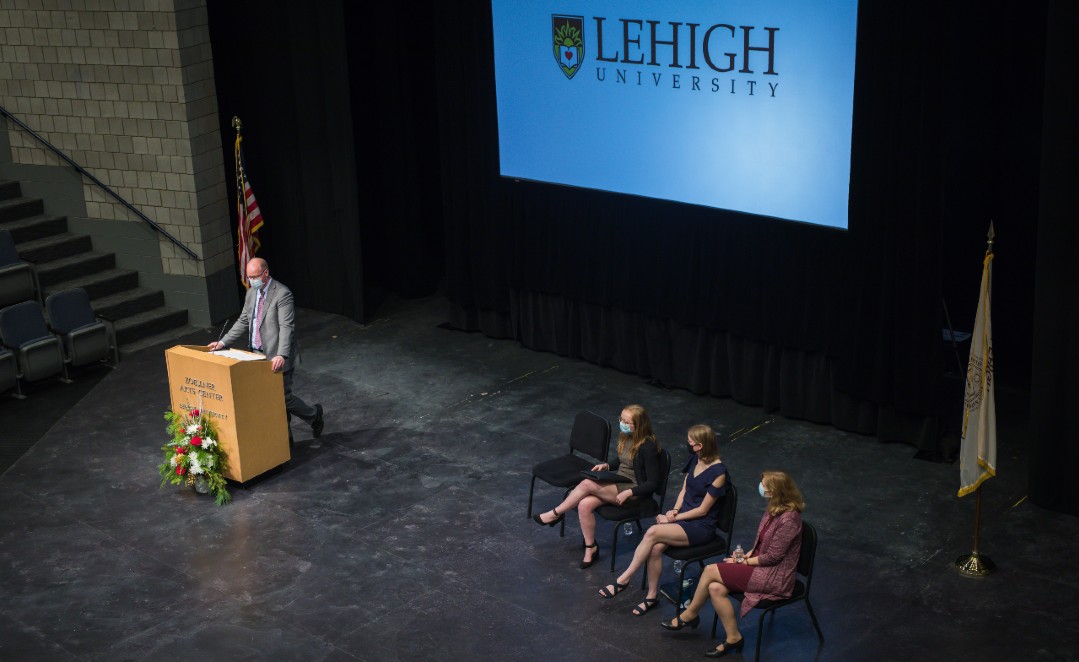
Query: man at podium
<point>268,324</point>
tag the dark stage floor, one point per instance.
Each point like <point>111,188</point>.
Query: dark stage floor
<point>402,533</point>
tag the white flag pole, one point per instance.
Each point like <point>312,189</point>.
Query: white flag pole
<point>976,564</point>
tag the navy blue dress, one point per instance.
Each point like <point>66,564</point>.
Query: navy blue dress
<point>702,529</point>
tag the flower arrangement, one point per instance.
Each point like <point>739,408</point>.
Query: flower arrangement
<point>194,454</point>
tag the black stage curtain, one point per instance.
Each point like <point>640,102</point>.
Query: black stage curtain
<point>1054,430</point>
<point>284,72</point>
<point>837,327</point>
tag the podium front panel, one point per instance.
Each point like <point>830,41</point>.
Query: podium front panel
<point>245,399</point>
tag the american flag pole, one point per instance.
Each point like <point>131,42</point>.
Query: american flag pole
<point>249,217</point>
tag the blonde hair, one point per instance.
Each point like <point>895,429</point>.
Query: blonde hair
<point>642,431</point>
<point>706,437</point>
<point>785,494</point>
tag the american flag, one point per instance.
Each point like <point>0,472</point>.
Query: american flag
<point>247,211</point>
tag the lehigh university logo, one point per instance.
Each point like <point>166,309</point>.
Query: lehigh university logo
<point>568,42</point>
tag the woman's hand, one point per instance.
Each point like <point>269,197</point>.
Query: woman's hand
<point>730,559</point>
<point>623,495</point>
<point>601,467</point>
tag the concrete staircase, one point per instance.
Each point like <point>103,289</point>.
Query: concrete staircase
<point>66,260</point>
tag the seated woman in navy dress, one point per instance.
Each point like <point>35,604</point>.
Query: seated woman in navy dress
<point>692,521</point>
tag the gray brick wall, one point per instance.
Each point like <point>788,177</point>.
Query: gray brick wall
<point>126,88</point>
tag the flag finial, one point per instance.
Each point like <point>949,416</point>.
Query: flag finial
<point>236,123</point>
<point>991,235</point>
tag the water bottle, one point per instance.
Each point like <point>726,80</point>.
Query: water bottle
<point>739,555</point>
<point>627,528</point>
<point>678,563</point>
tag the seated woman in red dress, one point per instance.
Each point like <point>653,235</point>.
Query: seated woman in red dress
<point>766,572</point>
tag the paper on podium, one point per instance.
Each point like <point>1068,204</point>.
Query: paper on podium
<point>238,355</point>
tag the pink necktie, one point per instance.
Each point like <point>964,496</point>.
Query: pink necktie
<point>258,321</point>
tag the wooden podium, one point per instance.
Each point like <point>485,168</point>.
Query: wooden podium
<point>246,400</point>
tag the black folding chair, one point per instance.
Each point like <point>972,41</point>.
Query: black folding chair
<point>591,435</point>
<point>801,590</point>
<point>645,507</point>
<point>721,546</point>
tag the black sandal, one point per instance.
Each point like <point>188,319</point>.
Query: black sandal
<point>647,604</point>
<point>607,594</point>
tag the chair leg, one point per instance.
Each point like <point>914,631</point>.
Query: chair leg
<point>760,635</point>
<point>820,635</point>
<point>531,490</point>
<point>614,546</point>
<point>681,588</point>
<point>562,532</point>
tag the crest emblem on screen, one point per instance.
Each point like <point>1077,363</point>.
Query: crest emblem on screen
<point>568,42</point>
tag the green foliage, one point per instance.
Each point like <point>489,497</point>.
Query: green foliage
<point>194,452</point>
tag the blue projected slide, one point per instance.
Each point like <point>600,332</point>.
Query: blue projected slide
<point>741,104</point>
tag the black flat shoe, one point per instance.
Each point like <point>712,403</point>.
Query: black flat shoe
<point>556,520</point>
<point>681,624</point>
<point>727,648</point>
<point>595,556</point>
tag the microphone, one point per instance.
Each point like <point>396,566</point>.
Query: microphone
<point>223,327</point>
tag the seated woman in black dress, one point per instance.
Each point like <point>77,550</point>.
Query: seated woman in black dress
<point>637,461</point>
<point>691,522</point>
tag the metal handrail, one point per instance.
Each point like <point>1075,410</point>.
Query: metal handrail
<point>104,187</point>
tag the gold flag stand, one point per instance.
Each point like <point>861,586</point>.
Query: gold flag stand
<point>975,564</point>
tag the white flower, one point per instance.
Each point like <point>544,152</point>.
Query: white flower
<point>172,460</point>
<point>192,429</point>
<point>208,442</point>
<point>210,462</point>
<point>194,466</point>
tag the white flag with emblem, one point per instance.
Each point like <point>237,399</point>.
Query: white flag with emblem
<point>978,454</point>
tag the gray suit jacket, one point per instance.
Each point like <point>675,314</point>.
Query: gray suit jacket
<point>277,327</point>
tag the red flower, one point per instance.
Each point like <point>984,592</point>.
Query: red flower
<point>194,413</point>
<point>180,450</point>
<point>180,471</point>
<point>196,441</point>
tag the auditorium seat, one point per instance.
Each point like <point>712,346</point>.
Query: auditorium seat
<point>18,281</point>
<point>86,339</point>
<point>37,351</point>
<point>9,371</point>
